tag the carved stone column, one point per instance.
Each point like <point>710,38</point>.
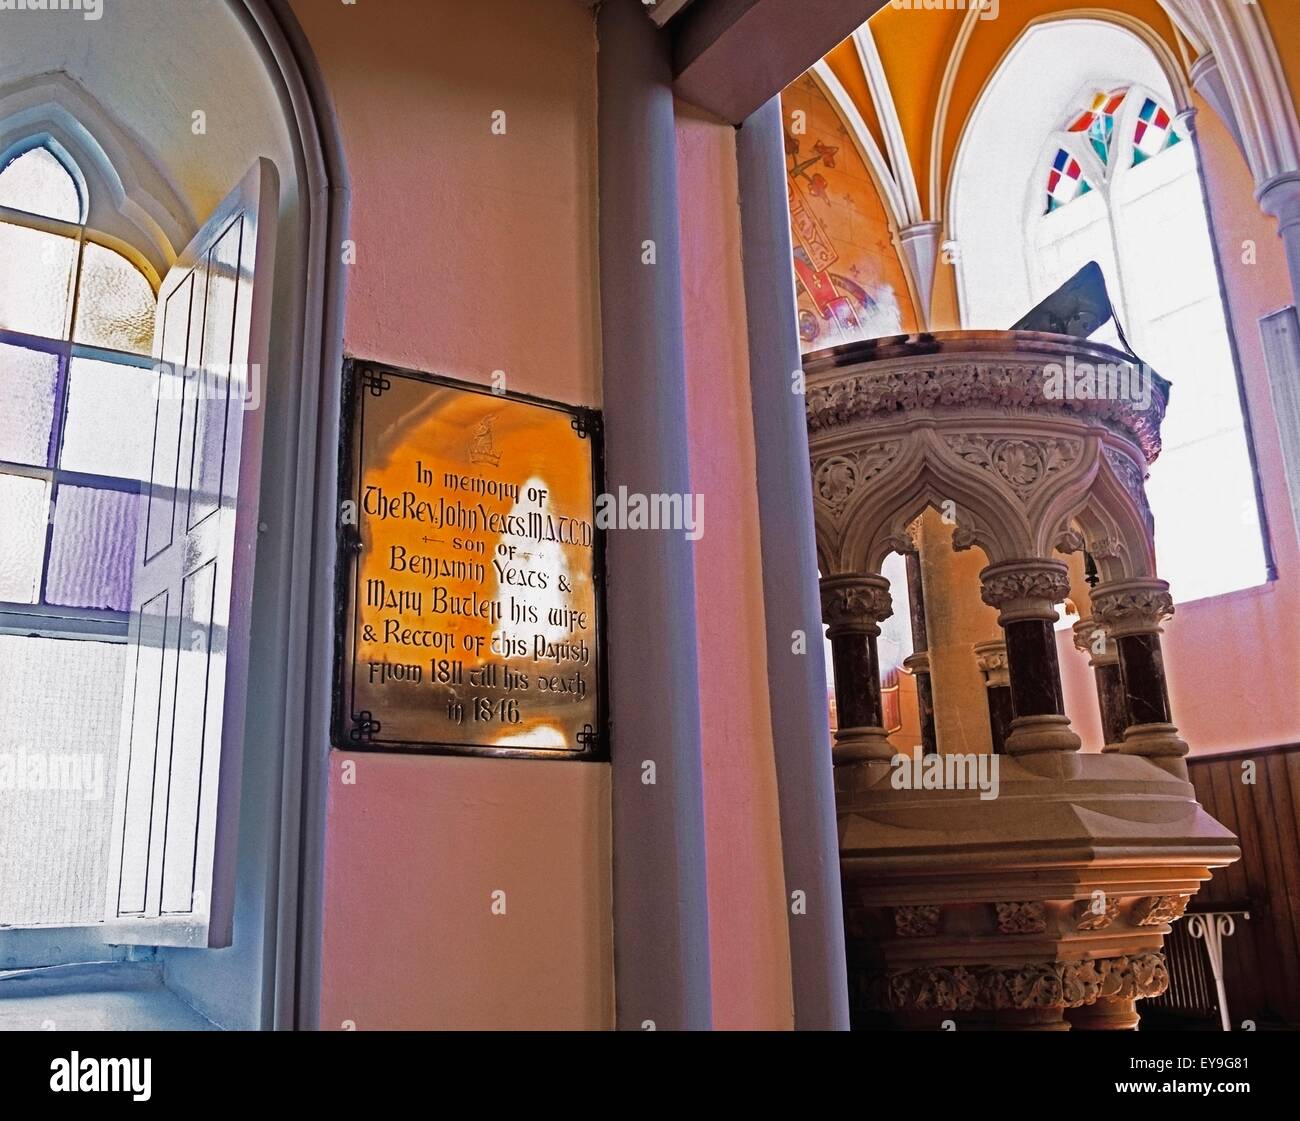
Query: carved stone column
<point>1131,611</point>
<point>1026,592</point>
<point>1091,638</point>
<point>918,663</point>
<point>991,657</point>
<point>853,607</point>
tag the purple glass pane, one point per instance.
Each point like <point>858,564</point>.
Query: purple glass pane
<point>92,556</point>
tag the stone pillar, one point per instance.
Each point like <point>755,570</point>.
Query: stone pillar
<point>1026,592</point>
<point>918,663</point>
<point>853,606</point>
<point>1131,611</point>
<point>1091,638</point>
<point>796,682</point>
<point>1280,197</point>
<point>991,657</point>
<point>661,904</point>
<point>1207,80</point>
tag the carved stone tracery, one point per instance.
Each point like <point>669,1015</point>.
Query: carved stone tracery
<point>1132,479</point>
<point>836,478</point>
<point>1023,463</point>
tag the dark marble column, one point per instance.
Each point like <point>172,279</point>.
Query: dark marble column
<point>919,662</point>
<point>1131,611</point>
<point>1026,592</point>
<point>991,657</point>
<point>852,609</point>
<point>1090,638</point>
<point>1036,678</point>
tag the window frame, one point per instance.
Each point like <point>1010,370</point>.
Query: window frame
<point>1108,182</point>
<point>41,618</point>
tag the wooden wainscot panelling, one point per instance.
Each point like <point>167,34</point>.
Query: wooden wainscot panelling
<point>1256,794</point>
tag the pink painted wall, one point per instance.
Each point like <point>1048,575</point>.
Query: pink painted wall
<point>474,252</point>
<point>414,852</point>
<point>1233,661</point>
<point>749,940</point>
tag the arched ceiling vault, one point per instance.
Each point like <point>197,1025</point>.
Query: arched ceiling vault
<point>915,76</point>
<point>910,79</point>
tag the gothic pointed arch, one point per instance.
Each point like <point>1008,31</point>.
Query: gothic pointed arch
<point>129,199</point>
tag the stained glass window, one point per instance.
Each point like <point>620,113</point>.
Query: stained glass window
<point>1098,121</point>
<point>1153,132</point>
<point>76,403</point>
<point>1125,148</point>
<point>1065,181</point>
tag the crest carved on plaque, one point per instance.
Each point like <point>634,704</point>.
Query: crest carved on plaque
<point>481,447</point>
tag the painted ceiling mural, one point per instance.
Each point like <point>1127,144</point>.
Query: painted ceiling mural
<point>849,280</point>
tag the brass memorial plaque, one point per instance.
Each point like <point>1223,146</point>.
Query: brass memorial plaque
<point>469,617</point>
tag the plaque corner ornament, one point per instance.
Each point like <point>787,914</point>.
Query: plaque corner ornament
<point>364,727</point>
<point>585,422</point>
<point>375,381</point>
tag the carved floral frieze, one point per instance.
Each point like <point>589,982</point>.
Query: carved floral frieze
<point>1033,985</point>
<point>1022,918</point>
<point>920,921</point>
<point>924,386</point>
<point>1153,910</point>
<point>1088,916</point>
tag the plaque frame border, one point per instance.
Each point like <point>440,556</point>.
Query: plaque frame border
<point>589,423</point>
